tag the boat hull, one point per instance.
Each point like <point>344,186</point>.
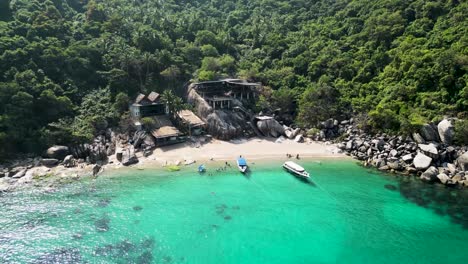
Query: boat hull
<point>296,173</point>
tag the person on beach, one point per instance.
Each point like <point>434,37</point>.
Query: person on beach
<point>297,156</point>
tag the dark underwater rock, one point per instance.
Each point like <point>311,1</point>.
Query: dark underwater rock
<point>137,208</point>
<point>60,256</point>
<point>102,224</point>
<point>104,202</point>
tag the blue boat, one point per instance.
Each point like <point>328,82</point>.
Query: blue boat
<point>242,164</point>
<point>201,168</point>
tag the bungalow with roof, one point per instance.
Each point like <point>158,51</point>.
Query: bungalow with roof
<point>150,105</point>
<point>219,94</point>
<point>165,133</point>
<point>191,122</point>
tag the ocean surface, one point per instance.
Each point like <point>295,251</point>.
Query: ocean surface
<point>345,214</point>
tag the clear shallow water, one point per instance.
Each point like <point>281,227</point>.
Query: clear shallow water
<point>348,214</point>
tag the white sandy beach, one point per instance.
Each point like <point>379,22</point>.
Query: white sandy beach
<point>251,149</point>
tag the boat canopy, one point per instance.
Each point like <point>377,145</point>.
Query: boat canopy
<point>241,162</point>
<point>294,166</point>
<point>201,168</point>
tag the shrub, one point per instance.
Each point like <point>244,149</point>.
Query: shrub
<point>148,123</point>
<point>461,132</point>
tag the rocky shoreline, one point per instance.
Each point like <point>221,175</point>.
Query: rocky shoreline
<point>427,154</point>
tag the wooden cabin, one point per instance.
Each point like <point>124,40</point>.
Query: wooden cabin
<point>192,123</point>
<point>165,132</point>
<point>219,94</point>
<point>150,105</point>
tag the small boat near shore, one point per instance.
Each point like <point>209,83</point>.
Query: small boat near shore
<point>296,169</point>
<point>201,168</point>
<point>242,164</point>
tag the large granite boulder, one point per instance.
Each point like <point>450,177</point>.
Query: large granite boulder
<point>222,124</point>
<point>430,175</point>
<point>97,153</point>
<point>429,132</point>
<point>129,157</point>
<point>462,162</point>
<point>57,152</point>
<point>421,161</point>
<point>270,127</point>
<point>49,162</point>
<point>226,125</point>
<point>429,150</point>
<point>446,131</point>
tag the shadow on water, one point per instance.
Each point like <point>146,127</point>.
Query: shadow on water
<point>247,174</point>
<point>442,200</point>
<point>307,181</point>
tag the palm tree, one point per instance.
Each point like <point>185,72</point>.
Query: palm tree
<point>173,102</point>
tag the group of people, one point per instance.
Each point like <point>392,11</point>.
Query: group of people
<point>290,156</point>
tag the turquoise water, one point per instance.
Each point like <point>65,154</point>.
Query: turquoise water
<point>347,214</point>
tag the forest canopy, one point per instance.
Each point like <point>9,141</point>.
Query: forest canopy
<point>398,62</point>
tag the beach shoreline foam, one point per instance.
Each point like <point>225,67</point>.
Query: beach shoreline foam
<point>188,153</point>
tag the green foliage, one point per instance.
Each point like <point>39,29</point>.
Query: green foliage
<point>121,103</point>
<point>174,103</point>
<point>383,59</point>
<point>148,123</point>
<point>461,132</point>
<point>318,103</point>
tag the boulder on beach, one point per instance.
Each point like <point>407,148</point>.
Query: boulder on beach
<point>299,139</point>
<point>69,161</point>
<point>129,157</point>
<point>49,162</point>
<point>446,131</point>
<point>430,175</point>
<point>57,152</point>
<point>421,161</point>
<point>270,127</point>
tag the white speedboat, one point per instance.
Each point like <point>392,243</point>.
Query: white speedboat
<point>296,169</point>
<point>242,165</point>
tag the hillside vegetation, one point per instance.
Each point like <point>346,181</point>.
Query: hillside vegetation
<point>69,67</point>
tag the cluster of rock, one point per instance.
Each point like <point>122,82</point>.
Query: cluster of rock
<point>330,129</point>
<point>97,153</point>
<point>222,123</point>
<point>427,154</point>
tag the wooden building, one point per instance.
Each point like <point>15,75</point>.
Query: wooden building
<point>219,94</point>
<point>165,132</point>
<point>192,123</point>
<point>150,105</point>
